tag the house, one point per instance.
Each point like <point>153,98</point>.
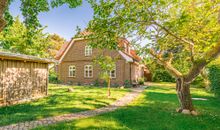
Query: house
<point>22,78</point>
<point>76,63</point>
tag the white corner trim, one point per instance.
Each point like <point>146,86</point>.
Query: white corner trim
<point>127,58</point>
<point>70,45</point>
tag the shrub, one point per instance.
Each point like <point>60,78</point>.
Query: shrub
<point>79,84</point>
<point>115,85</point>
<point>53,78</point>
<point>199,82</point>
<point>127,84</point>
<point>105,84</point>
<point>161,75</point>
<point>96,83</point>
<point>214,77</point>
<point>141,81</point>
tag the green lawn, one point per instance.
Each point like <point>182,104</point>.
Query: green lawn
<point>154,110</point>
<point>58,102</point>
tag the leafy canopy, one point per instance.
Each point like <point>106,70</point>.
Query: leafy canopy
<point>15,40</point>
<point>179,31</point>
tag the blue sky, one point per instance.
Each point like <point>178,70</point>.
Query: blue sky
<point>62,20</point>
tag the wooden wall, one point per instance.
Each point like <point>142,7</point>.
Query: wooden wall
<point>21,81</point>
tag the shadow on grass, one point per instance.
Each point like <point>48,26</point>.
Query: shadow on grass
<point>57,103</point>
<point>152,111</point>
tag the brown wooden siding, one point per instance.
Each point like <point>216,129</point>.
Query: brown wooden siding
<point>21,81</point>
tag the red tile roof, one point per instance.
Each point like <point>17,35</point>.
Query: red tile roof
<point>135,56</point>
<point>62,50</point>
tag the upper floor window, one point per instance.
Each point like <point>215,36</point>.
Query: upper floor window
<point>88,71</point>
<point>88,50</point>
<point>113,73</point>
<point>72,71</point>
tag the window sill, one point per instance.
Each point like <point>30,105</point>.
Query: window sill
<point>71,76</point>
<point>88,77</point>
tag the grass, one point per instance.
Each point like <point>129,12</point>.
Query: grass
<point>59,102</point>
<point>153,110</point>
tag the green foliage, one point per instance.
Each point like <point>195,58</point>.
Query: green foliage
<point>107,64</point>
<point>199,82</point>
<point>31,8</point>
<point>79,83</point>
<point>16,38</point>
<point>55,42</point>
<point>182,33</point>
<point>71,3</point>
<point>105,84</point>
<point>96,83</point>
<point>161,75</point>
<point>115,85</point>
<point>141,81</point>
<point>214,77</point>
<point>53,78</point>
<point>127,84</point>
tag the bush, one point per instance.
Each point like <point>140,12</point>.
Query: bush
<point>79,84</point>
<point>53,78</point>
<point>141,81</point>
<point>115,85</point>
<point>127,84</point>
<point>161,75</point>
<point>96,83</point>
<point>214,77</point>
<point>105,84</point>
<point>199,82</point>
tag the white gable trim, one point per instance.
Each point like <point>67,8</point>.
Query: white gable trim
<point>127,58</point>
<point>70,45</point>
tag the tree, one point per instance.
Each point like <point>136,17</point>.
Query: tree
<point>188,29</point>
<point>107,65</point>
<point>55,42</point>
<point>15,40</point>
<point>31,8</point>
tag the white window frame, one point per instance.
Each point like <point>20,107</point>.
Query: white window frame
<point>88,68</point>
<point>72,68</point>
<point>88,50</point>
<point>110,73</point>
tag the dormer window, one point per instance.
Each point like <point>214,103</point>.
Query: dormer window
<point>88,50</point>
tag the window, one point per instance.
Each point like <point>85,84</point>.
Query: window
<point>72,71</point>
<point>88,71</point>
<point>88,50</point>
<point>113,73</point>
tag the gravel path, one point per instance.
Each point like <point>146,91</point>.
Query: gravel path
<point>84,114</point>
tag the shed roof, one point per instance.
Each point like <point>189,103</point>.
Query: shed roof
<point>22,57</point>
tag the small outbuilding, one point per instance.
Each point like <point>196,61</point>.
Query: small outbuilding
<point>22,78</point>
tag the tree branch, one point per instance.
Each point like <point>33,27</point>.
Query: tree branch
<point>172,34</point>
<point>167,64</point>
<point>198,65</point>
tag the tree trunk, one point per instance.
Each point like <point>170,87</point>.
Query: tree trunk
<point>109,85</point>
<point>184,96</point>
